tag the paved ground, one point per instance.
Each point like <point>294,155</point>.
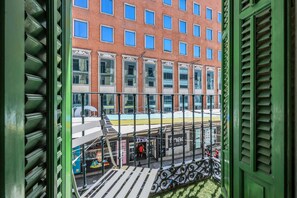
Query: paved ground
<point>203,189</point>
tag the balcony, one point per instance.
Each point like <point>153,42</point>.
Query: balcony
<point>165,152</point>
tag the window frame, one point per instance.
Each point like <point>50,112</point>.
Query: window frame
<point>194,51</point>
<point>135,15</point>
<point>179,25</point>
<point>145,35</point>
<point>164,45</point>
<point>194,30</point>
<point>185,6</point>
<point>219,13</point>
<point>172,68</point>
<point>180,48</point>
<point>111,57</point>
<point>167,4</point>
<point>211,13</point>
<point>126,30</point>
<point>104,12</point>
<point>196,67</point>
<point>211,53</point>
<point>101,34</point>
<point>207,34</point>
<point>179,73</point>
<point>79,20</point>
<point>81,7</point>
<point>220,33</point>
<point>164,23</point>
<point>220,56</point>
<point>194,8</point>
<point>145,17</point>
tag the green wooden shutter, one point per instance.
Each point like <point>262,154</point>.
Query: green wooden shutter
<point>259,127</point>
<point>226,99</point>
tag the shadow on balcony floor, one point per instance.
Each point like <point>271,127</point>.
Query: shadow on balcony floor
<point>203,189</point>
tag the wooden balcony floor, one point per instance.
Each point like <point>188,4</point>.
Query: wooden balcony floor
<point>202,189</point>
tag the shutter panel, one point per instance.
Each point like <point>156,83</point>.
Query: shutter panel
<point>35,103</point>
<point>263,91</point>
<point>245,90</point>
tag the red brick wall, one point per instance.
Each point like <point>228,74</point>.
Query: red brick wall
<point>95,19</point>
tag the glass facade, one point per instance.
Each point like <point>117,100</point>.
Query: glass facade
<point>183,78</point>
<point>210,102</point>
<point>80,70</point>
<point>185,101</point>
<point>150,75</point>
<point>108,103</point>
<point>167,103</point>
<point>130,74</point>
<point>76,100</point>
<point>129,103</point>
<point>198,79</point>
<point>210,80</point>
<point>198,102</point>
<point>167,77</point>
<point>107,72</point>
<point>152,102</point>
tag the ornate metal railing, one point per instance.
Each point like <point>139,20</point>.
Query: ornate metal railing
<point>181,156</point>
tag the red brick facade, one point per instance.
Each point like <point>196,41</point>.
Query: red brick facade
<point>119,23</point>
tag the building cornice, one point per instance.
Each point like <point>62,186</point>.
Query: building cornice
<point>167,63</point>
<point>81,52</point>
<point>129,58</point>
<point>106,55</point>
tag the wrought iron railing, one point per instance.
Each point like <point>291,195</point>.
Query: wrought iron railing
<point>165,133</point>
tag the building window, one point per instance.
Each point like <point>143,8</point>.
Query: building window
<point>209,34</point>
<point>107,7</point>
<point>167,77</point>
<point>80,29</point>
<point>106,34</point>
<point>150,75</point>
<point>107,72</point>
<point>196,9</point>
<point>210,80</point>
<point>108,103</point>
<point>196,51</point>
<point>149,42</point>
<point>183,78</point>
<point>210,102</point>
<point>167,22</point>
<point>129,104</point>
<point>167,2</point>
<point>219,37</point>
<point>196,30</point>
<point>130,74</point>
<point>167,44</point>
<point>209,53</point>
<point>167,103</point>
<point>76,100</point>
<point>130,12</point>
<point>183,5</point>
<point>182,48</point>
<point>198,102</point>
<point>198,79</point>
<point>208,13</point>
<point>220,55</point>
<point>219,80</point>
<point>130,38</point>
<point>182,27</point>
<point>220,17</point>
<point>186,99</point>
<point>80,70</point>
<point>149,17</point>
<point>152,102</point>
<point>81,3</point>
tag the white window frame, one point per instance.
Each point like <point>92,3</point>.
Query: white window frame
<point>125,38</point>
<point>153,62</point>
<point>107,13</point>
<point>145,17</point>
<point>181,9</point>
<point>219,32</point>
<point>112,34</point>
<point>210,68</point>
<point>194,9</point>
<point>74,19</point>
<point>109,56</point>
<point>197,67</point>
<point>164,23</point>
<point>211,13</point>
<point>221,17</point>
<point>194,30</point>
<point>167,64</point>
<point>125,11</point>
<point>219,56</point>
<point>181,66</point>
<point>219,78</point>
<point>211,54</point>
<point>179,48</point>
<point>166,4</point>
<point>82,7</point>
<point>171,45</point>
<point>211,34</point>
<point>145,41</point>
<point>194,51</point>
<point>179,26</point>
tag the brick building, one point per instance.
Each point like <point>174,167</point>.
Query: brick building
<point>148,46</point>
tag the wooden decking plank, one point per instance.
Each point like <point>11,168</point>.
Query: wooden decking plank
<point>98,182</point>
<point>129,183</point>
<point>137,187</point>
<point>149,183</point>
<point>121,182</point>
<point>109,183</point>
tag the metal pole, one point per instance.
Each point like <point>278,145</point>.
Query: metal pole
<point>210,122</point>
<point>194,130</point>
<point>119,132</point>
<point>149,130</point>
<point>134,132</point>
<point>102,138</point>
<point>84,165</point>
<point>172,131</point>
<point>202,127</point>
<point>161,132</point>
<point>184,130</point>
